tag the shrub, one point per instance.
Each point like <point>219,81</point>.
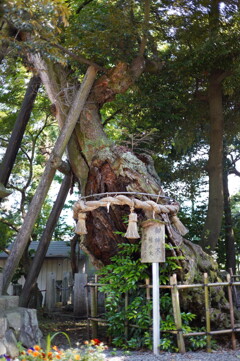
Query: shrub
<point>124,275</point>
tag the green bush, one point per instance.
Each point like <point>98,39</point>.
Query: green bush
<point>123,276</point>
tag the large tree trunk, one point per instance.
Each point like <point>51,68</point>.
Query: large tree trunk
<point>114,169</point>
<point>101,166</point>
<point>108,168</point>
<point>213,221</point>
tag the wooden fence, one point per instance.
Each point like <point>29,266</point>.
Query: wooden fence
<point>94,318</point>
<point>69,292</point>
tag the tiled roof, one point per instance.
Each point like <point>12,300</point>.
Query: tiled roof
<point>56,249</point>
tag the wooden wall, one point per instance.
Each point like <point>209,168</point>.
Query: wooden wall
<point>56,265</point>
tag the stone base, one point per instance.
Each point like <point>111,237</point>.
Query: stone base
<point>17,324</point>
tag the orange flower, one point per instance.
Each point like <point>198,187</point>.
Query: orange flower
<point>35,353</point>
<point>49,354</point>
<point>55,348</point>
<point>58,357</point>
<point>30,350</point>
<point>37,348</point>
<point>86,342</point>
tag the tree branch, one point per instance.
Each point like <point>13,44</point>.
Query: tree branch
<point>234,171</point>
<point>12,186</point>
<point>31,158</point>
<point>153,66</point>
<point>220,76</point>
<point>65,168</point>
<point>81,59</point>
<point>4,139</point>
<point>111,116</point>
<point>86,2</point>
<point>145,27</point>
<point>10,225</point>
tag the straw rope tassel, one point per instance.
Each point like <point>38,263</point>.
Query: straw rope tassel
<point>81,224</point>
<point>178,225</point>
<point>132,231</point>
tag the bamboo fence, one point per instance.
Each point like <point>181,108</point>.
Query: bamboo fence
<point>94,319</point>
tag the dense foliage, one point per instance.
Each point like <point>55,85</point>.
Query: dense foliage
<point>129,312</point>
<point>165,113</point>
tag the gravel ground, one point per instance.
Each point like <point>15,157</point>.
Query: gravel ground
<point>166,356</point>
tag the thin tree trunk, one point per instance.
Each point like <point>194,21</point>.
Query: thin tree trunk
<point>47,177</point>
<point>73,256</point>
<point>19,129</point>
<point>213,222</point>
<point>37,262</point>
<point>229,233</point>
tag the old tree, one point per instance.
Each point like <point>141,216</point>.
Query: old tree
<point>118,41</point>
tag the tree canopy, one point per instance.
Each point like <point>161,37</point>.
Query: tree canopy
<point>167,87</point>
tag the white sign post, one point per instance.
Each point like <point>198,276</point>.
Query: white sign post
<point>153,251</point>
<point>156,308</point>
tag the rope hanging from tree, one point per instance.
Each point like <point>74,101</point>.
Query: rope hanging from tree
<point>82,206</point>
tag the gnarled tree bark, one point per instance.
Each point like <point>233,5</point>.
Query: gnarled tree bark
<point>110,168</point>
<point>101,166</point>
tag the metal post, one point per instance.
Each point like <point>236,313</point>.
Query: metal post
<point>1,283</point>
<point>156,308</point>
<point>94,323</point>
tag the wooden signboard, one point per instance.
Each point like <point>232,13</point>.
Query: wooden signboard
<point>153,241</point>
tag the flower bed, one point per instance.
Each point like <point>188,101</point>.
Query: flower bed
<point>90,351</point>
